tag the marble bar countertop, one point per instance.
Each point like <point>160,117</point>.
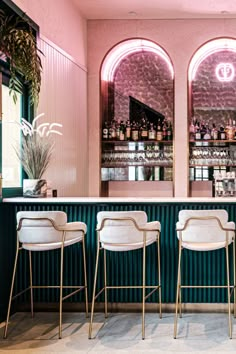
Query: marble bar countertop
<point>89,200</point>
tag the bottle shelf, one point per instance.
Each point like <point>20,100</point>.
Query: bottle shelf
<point>135,164</point>
<point>212,141</point>
<point>227,108</point>
<point>212,165</point>
<point>145,142</point>
<point>141,151</point>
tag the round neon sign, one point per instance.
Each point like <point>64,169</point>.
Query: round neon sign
<point>225,72</point>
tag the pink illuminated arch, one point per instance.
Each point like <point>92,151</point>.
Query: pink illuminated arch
<point>211,47</point>
<point>121,50</point>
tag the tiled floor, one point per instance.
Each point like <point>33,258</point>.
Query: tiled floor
<point>121,333</point>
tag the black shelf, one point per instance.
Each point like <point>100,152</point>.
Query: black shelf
<point>134,164</point>
<point>130,151</point>
<point>217,142</point>
<point>146,142</point>
<point>215,165</point>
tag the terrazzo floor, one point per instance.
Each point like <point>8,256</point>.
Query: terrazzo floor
<point>120,333</point>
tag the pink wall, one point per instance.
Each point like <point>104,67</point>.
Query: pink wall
<point>180,38</point>
<point>63,95</point>
<point>61,22</point>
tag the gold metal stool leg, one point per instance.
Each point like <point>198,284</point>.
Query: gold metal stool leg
<point>159,275</point>
<point>94,292</point>
<point>85,278</point>
<point>180,297</point>
<point>144,289</point>
<point>177,291</point>
<point>228,291</point>
<point>105,281</point>
<point>31,285</point>
<point>61,287</point>
<point>11,291</point>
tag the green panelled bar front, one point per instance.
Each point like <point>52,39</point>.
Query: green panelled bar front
<point>125,268</point>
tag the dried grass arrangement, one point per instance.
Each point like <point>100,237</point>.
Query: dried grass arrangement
<point>35,155</point>
<point>36,147</point>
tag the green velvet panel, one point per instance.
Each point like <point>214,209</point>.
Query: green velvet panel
<point>123,267</point>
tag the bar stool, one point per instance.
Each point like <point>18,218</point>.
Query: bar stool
<point>126,231</point>
<point>205,230</point>
<point>46,231</point>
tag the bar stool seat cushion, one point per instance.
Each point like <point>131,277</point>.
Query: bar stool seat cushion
<point>122,235</point>
<point>40,235</point>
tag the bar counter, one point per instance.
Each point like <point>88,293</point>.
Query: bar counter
<point>125,265</point>
<point>123,200</point>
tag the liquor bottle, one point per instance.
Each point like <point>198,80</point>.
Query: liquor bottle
<point>105,131</point>
<point>159,131</point>
<point>203,130</point>
<point>164,130</point>
<point>118,130</point>
<point>192,130</point>
<point>197,132</point>
<point>128,130</point>
<point>122,131</point>
<point>207,135</point>
<point>234,127</point>
<point>169,131</point>
<point>143,130</point>
<point>214,132</point>
<point>151,132</point>
<point>134,132</point>
<point>222,134</point>
<point>230,131</point>
<point>112,130</point>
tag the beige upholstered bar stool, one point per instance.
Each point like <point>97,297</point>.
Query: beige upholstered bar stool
<point>46,231</point>
<point>205,230</point>
<point>126,231</point>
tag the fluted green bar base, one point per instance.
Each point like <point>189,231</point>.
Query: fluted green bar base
<point>124,267</point>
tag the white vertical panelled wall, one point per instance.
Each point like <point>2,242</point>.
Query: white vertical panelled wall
<point>63,99</point>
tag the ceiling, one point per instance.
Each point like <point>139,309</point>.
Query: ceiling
<point>156,9</point>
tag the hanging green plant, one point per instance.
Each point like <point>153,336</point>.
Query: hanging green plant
<point>19,49</point>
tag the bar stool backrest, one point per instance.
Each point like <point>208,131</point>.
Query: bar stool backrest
<point>204,226</point>
<point>36,227</point>
<point>117,226</point>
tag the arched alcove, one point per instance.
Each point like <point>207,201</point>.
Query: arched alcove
<point>137,68</point>
<point>137,85</point>
<point>212,109</point>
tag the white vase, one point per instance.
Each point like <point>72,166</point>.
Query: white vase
<point>34,188</point>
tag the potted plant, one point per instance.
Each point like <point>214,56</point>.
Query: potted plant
<point>35,154</point>
<point>19,49</point>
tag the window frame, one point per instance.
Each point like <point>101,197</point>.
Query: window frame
<point>27,113</point>
<point>27,110</point>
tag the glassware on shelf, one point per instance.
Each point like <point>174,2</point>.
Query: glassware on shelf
<point>225,184</point>
<point>210,156</point>
<point>139,156</point>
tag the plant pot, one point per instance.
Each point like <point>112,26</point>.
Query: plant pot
<point>34,188</point>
